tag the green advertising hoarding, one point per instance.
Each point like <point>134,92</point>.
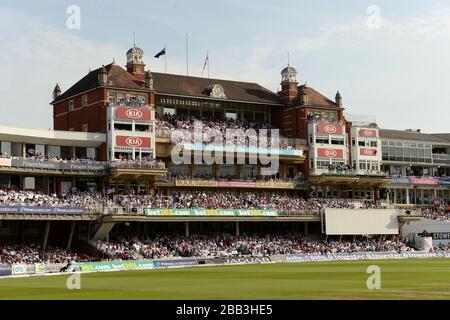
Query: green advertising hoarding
<point>211,212</point>
<point>112,265</point>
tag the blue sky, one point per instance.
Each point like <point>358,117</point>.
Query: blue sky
<point>397,73</point>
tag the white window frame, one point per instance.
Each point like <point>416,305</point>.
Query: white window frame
<point>71,105</point>
<point>84,100</point>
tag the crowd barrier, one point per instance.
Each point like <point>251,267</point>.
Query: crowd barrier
<point>35,268</point>
<point>107,266</point>
<point>363,256</point>
<point>34,209</point>
<point>210,212</point>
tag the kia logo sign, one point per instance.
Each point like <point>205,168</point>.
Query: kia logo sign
<point>133,141</point>
<point>367,152</point>
<point>367,133</point>
<point>138,142</point>
<point>134,113</point>
<point>330,153</point>
<point>330,128</point>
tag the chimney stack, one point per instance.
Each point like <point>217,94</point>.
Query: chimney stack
<point>148,80</point>
<point>103,76</point>
<point>338,99</point>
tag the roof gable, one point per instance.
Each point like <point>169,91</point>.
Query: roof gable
<point>117,76</point>
<point>315,98</point>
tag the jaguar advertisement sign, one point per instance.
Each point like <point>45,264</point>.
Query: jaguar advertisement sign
<point>247,260</point>
<point>129,141</point>
<point>133,113</point>
<point>330,129</point>
<point>330,153</point>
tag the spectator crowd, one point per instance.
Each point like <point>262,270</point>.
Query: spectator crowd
<point>32,253</point>
<point>223,127</point>
<point>125,160</point>
<point>130,201</point>
<point>436,213</point>
<point>232,200</point>
<point>88,200</point>
<point>179,200</point>
<point>250,245</point>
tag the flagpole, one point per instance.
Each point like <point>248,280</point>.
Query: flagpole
<point>187,56</point>
<point>165,59</point>
<point>207,57</point>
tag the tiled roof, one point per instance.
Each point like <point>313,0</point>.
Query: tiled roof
<point>196,87</point>
<point>176,85</point>
<point>118,77</point>
<point>316,98</point>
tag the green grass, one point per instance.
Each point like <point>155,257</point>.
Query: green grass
<point>400,279</point>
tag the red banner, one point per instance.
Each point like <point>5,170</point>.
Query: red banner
<point>368,152</point>
<point>368,133</point>
<point>422,181</point>
<point>133,113</point>
<point>330,128</point>
<point>330,153</point>
<point>138,142</point>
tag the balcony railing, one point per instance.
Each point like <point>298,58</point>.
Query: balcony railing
<point>347,172</point>
<point>53,164</point>
<point>140,211</point>
<point>441,158</point>
<point>131,103</point>
<point>166,133</point>
<point>283,142</point>
<point>137,164</point>
<point>74,165</point>
<point>163,133</point>
<point>239,182</point>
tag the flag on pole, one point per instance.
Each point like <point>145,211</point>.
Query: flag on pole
<point>161,53</point>
<point>205,64</point>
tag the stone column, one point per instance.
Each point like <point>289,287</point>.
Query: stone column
<point>45,235</point>
<point>186,229</point>
<point>71,233</point>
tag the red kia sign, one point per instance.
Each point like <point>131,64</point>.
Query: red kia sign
<point>133,113</point>
<point>137,142</point>
<point>330,153</point>
<point>367,152</point>
<point>329,128</point>
<point>368,133</point>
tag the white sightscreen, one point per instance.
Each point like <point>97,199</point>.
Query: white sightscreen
<point>361,221</point>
